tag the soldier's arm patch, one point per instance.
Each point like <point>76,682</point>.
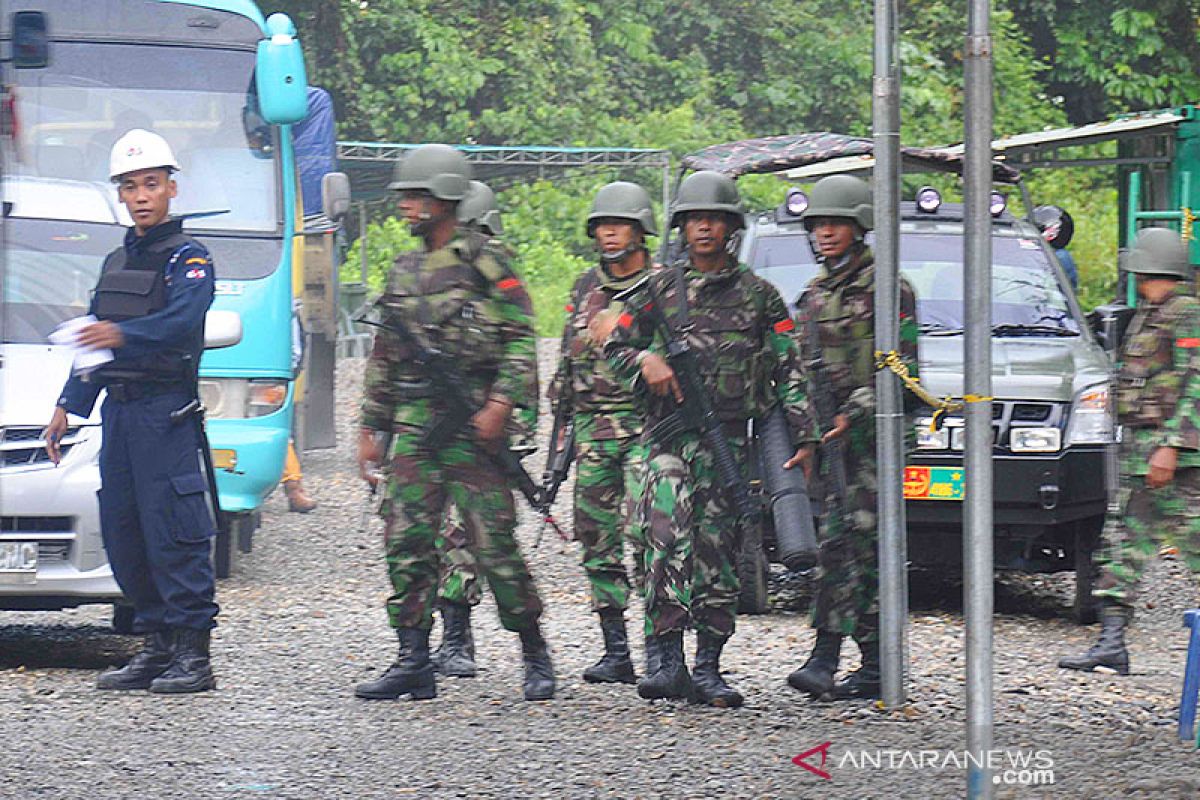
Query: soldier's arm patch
<point>1191,341</point>
<point>201,261</point>
<point>625,320</point>
<point>508,284</point>
<point>784,325</point>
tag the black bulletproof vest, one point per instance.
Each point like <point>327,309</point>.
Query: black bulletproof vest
<point>133,284</point>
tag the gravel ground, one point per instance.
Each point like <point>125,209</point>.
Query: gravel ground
<point>302,622</point>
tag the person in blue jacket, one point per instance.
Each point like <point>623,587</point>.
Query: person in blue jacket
<point>150,303</point>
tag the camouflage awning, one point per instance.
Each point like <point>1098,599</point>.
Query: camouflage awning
<point>781,153</point>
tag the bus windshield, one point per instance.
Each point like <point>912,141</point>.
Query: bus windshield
<point>199,99</point>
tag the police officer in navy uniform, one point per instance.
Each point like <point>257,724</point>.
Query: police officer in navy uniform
<point>150,304</point>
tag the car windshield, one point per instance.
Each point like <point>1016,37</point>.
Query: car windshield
<point>1027,299</point>
<point>70,114</point>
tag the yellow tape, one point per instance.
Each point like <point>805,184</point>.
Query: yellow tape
<point>941,405</point>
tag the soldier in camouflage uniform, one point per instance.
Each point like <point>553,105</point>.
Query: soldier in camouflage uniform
<point>838,310</point>
<point>610,455</point>
<point>458,588</point>
<point>460,295</point>
<point>737,326</point>
<point>1158,407</point>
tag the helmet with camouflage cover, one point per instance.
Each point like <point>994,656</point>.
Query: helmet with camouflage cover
<point>438,169</point>
<point>707,190</point>
<point>622,200</point>
<point>841,196</point>
<point>479,208</point>
<point>1159,252</point>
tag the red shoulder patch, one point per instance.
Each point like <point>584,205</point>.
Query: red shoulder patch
<point>570,308</point>
<point>785,325</point>
<point>1188,342</point>
<point>508,283</point>
<point>625,320</point>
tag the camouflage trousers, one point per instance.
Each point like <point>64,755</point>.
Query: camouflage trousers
<point>420,487</point>
<point>608,484</point>
<point>847,600</point>
<point>459,569</point>
<point>692,539</point>
<point>1148,519</point>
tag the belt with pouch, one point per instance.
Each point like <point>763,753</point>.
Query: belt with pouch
<point>126,391</point>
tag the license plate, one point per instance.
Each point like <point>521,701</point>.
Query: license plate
<point>18,562</point>
<point>934,483</point>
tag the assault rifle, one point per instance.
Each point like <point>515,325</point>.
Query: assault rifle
<point>452,391</point>
<point>820,390</point>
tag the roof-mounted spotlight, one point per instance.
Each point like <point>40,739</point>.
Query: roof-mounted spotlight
<point>796,202</point>
<point>997,204</point>
<point>929,200</point>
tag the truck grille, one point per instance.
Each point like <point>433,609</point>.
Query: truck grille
<point>37,524</point>
<point>23,446</point>
<point>1006,415</point>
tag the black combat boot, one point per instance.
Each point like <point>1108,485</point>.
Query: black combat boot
<point>410,674</point>
<point>1109,651</point>
<point>150,662</point>
<point>816,676</point>
<point>539,672</point>
<point>652,656</point>
<point>671,679</point>
<point>864,682</point>
<point>455,656</point>
<point>190,669</point>
<point>614,666</point>
<point>708,686</point>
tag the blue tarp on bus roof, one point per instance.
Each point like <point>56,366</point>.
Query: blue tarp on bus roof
<point>315,142</point>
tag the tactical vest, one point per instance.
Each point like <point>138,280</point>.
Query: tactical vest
<point>594,384</point>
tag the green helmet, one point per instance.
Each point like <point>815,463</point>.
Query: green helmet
<point>479,208</point>
<point>438,169</point>
<point>841,196</point>
<point>1159,251</point>
<point>622,200</point>
<point>707,191</point>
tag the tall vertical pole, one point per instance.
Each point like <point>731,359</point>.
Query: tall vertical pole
<point>889,414</point>
<point>977,543</point>
<point>364,262</point>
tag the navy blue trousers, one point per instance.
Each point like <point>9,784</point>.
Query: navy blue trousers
<point>154,514</point>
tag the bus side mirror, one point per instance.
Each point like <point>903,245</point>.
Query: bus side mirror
<point>222,329</point>
<point>30,41</point>
<point>279,77</point>
<point>1109,322</point>
<point>335,195</point>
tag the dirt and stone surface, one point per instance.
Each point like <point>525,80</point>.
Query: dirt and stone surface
<point>302,622</point>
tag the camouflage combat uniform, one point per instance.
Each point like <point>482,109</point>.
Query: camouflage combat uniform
<point>1158,405</point>
<point>738,329</point>
<point>840,305</point>
<point>610,456</point>
<point>465,300</point>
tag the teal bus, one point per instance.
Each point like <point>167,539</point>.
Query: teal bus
<point>222,84</point>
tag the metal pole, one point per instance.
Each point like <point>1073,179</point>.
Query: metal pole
<point>977,542</point>
<point>889,413</point>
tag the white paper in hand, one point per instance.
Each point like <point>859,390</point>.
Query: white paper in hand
<point>86,359</point>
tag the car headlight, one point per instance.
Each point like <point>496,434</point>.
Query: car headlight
<point>238,398</point>
<point>928,439</point>
<point>1035,440</point>
<point>1091,422</point>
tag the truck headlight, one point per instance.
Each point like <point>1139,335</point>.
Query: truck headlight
<point>1090,422</point>
<point>238,398</point>
<point>930,439</point>
<point>1035,440</point>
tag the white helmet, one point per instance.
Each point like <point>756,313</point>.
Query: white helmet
<point>140,149</point>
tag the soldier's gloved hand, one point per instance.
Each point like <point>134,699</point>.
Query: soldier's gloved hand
<point>803,459</point>
<point>841,424</point>
<point>659,377</point>
<point>489,420</point>
<point>1162,467</point>
<point>369,457</point>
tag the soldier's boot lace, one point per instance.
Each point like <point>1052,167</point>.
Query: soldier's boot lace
<point>1109,651</point>
<point>191,669</point>
<point>671,680</point>
<point>653,659</point>
<point>816,676</point>
<point>146,665</point>
<point>539,672</point>
<point>411,674</point>
<point>455,656</point>
<point>615,666</point>
<point>709,687</point>
<point>864,682</point>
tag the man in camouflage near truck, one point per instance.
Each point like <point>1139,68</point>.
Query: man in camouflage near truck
<point>1158,408</point>
<point>835,326</point>
<point>610,455</point>
<point>457,295</point>
<point>737,328</point>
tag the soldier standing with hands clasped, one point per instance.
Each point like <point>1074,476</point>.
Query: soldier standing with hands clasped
<point>1158,408</point>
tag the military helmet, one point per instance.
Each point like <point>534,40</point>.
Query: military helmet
<point>438,169</point>
<point>622,200</point>
<point>479,208</point>
<point>708,191</point>
<point>1159,251</point>
<point>841,196</point>
<point>1056,225</point>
